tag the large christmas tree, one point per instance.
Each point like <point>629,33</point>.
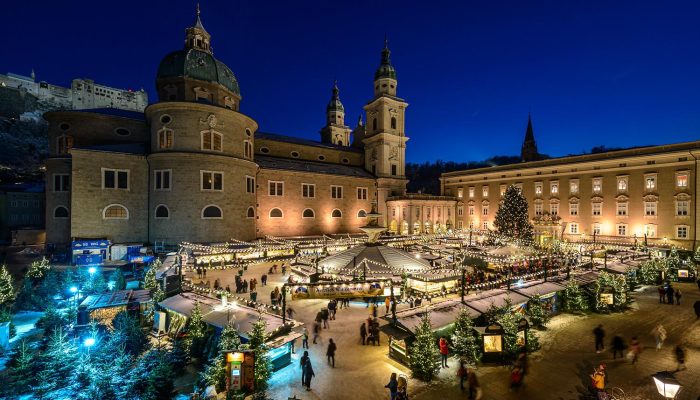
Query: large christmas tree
<point>263,368</point>
<point>512,218</point>
<point>465,340</point>
<point>423,356</point>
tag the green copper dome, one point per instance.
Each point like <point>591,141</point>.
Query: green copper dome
<point>335,104</point>
<point>385,70</point>
<point>197,64</point>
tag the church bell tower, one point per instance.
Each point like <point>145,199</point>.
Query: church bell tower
<point>335,131</point>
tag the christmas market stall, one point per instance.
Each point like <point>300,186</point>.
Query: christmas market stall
<point>434,281</point>
<point>219,313</point>
<point>103,307</point>
<point>496,298</point>
<point>547,290</point>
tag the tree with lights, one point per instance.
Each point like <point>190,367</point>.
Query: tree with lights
<point>196,330</point>
<point>37,269</point>
<point>536,311</point>
<point>508,320</point>
<point>149,280</point>
<point>512,217</point>
<point>256,342</point>
<point>21,368</point>
<point>423,357</point>
<point>574,300</point>
<point>465,340</point>
<point>7,289</point>
<point>215,372</point>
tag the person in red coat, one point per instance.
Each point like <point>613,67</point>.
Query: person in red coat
<point>444,351</point>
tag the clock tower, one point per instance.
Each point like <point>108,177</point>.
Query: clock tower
<point>385,139</point>
<point>335,131</point>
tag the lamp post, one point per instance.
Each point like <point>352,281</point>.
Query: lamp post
<point>89,342</point>
<point>666,384</point>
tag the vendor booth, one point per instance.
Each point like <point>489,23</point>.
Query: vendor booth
<point>548,292</point>
<point>89,252</point>
<point>103,307</point>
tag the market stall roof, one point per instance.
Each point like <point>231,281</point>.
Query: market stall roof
<point>511,251</point>
<point>494,297</point>
<point>618,268</point>
<point>169,266</point>
<point>380,261</point>
<point>438,274</point>
<point>116,299</point>
<point>539,287</point>
<point>441,315</point>
<point>587,277</point>
<point>395,332</point>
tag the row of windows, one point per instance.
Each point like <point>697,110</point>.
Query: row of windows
<point>25,218</point>
<point>650,230</point>
<point>650,209</point>
<point>210,140</point>
<point>24,203</point>
<point>427,212</point>
<point>650,185</point>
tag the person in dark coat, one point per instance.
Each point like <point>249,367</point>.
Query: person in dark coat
<point>696,306</point>
<point>662,294</point>
<point>330,352</point>
<point>618,346</point>
<point>669,295</point>
<point>308,374</point>
<point>392,386</point>
<point>302,363</point>
<point>363,332</point>
<point>599,334</point>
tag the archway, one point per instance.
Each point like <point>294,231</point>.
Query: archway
<point>394,226</point>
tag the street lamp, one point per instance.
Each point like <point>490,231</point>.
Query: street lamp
<point>92,270</point>
<point>666,384</point>
<point>89,342</point>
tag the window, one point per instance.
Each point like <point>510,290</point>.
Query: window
<point>622,184</point>
<point>460,211</point>
<point>538,209</point>
<point>264,150</point>
<point>573,209</point>
<point>621,230</point>
<point>165,119</point>
<point>321,157</point>
<point>503,190</point>
<point>162,212</point>
<point>682,180</point>
<point>247,149</point>
<point>417,212</point>
<point>115,211</point>
<point>249,184</point>
<point>538,188</point>
<point>336,192</point>
<point>597,185</point>
<point>471,210</point>
<point>460,192</point>
<point>681,232</point>
<point>554,209</point>
<point>165,138</point>
<point>393,122</point>
<point>336,214</point>
<point>308,190</point>
<point>374,124</point>
<point>250,213</point>
<point>275,188</point>
<point>471,192</point>
<point>394,170</point>
<point>485,210</point>
<point>361,193</point>
<point>115,178</point>
<point>361,214</point>
<point>162,179</point>
<point>597,209</point>
<point>60,212</point>
<point>212,212</point>
<point>573,228</point>
<point>61,182</point>
<point>275,213</point>
<point>294,154</point>
<point>486,225</point>
<point>650,182</point>
<point>622,209</point>
<point>212,140</point>
<point>63,144</point>
<point>554,188</point>
<point>682,207</point>
<point>573,186</point>
<point>308,213</point>
<point>484,191</point>
<point>650,208</point>
<point>596,229</point>
<point>650,230</point>
<point>212,180</point>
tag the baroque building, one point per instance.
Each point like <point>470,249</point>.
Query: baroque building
<point>193,167</point>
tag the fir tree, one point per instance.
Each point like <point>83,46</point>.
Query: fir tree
<point>7,290</point>
<point>215,371</point>
<point>149,280</point>
<point>160,379</point>
<point>512,216</point>
<point>673,261</point>
<point>196,327</point>
<point>117,280</point>
<point>256,342</point>
<point>45,384</point>
<point>158,295</point>
<point>21,368</point>
<point>128,333</point>
<point>6,316</point>
<point>424,359</point>
<point>538,315</point>
<point>37,269</point>
<point>60,357</point>
<point>466,343</point>
<point>573,299</point>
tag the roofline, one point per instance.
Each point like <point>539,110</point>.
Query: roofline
<point>608,155</point>
<point>91,111</point>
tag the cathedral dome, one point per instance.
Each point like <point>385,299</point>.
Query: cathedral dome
<point>385,70</point>
<point>197,64</point>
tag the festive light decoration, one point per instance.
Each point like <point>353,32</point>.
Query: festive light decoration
<point>466,343</point>
<point>196,327</point>
<point>37,269</point>
<point>263,367</point>
<point>7,290</point>
<point>423,354</point>
<point>536,312</point>
<point>512,216</point>
<point>573,299</point>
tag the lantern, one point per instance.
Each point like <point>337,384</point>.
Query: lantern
<point>666,384</point>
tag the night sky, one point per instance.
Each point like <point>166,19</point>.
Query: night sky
<point>614,73</point>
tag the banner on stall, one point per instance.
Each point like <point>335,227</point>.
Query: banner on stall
<point>336,291</point>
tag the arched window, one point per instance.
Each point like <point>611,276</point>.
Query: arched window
<point>308,213</point>
<point>275,213</point>
<point>162,212</point>
<point>212,212</point>
<point>247,149</point>
<point>393,122</point>
<point>63,144</point>
<point>60,212</point>
<point>251,212</point>
<point>115,211</point>
<point>374,124</point>
<point>212,140</point>
<point>165,138</point>
<point>336,213</point>
<point>361,214</point>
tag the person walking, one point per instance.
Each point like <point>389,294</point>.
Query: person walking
<point>393,386</point>
<point>618,346</point>
<point>659,333</point>
<point>324,317</point>
<point>401,388</point>
<point>635,349</point>
<point>696,307</point>
<point>387,304</point>
<point>302,362</point>
<point>317,332</point>
<point>330,352</point>
<point>263,280</point>
<point>679,352</point>
<point>662,294</point>
<point>598,382</point>
<point>462,375</point>
<point>375,333</point>
<point>678,297</point>
<point>332,304</point>
<point>305,338</point>
<point>444,351</point>
<point>308,374</point>
<point>669,294</point>
<point>363,333</point>
<point>474,387</point>
<point>599,334</point>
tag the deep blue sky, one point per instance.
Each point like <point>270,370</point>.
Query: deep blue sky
<point>618,73</point>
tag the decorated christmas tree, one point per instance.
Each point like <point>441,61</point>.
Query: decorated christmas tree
<point>37,269</point>
<point>536,311</point>
<point>215,371</point>
<point>466,343</point>
<point>263,368</point>
<point>574,300</point>
<point>512,219</point>
<point>424,358</point>
<point>149,280</point>
<point>196,327</point>
<point>7,290</point>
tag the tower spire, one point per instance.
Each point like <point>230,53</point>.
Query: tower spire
<point>196,36</point>
<point>528,151</point>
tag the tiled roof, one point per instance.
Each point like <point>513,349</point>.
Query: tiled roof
<point>115,112</point>
<point>305,142</point>
<point>310,166</point>
<point>382,261</point>
<point>128,148</point>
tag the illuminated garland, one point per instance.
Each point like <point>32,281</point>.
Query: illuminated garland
<point>205,290</point>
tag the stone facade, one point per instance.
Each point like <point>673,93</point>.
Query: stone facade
<point>421,213</point>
